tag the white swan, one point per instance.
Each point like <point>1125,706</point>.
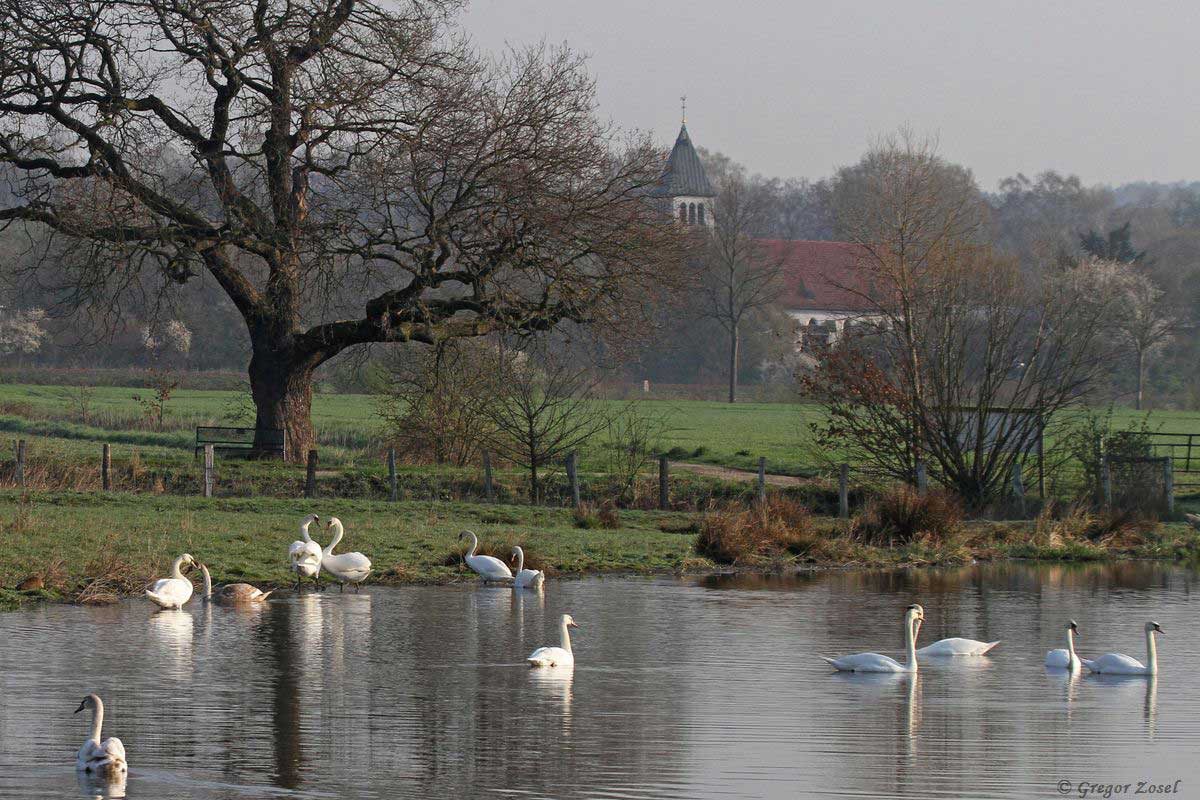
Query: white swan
<point>231,594</point>
<point>1065,659</point>
<point>1121,664</point>
<point>176,590</point>
<point>556,656</point>
<point>526,578</point>
<point>100,757</point>
<point>874,662</point>
<point>305,554</point>
<point>490,567</point>
<point>352,568</point>
<point>955,646</point>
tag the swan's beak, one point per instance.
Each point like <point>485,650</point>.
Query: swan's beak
<point>82,706</point>
<point>572,624</point>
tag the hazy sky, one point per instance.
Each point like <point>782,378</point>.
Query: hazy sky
<point>1107,90</point>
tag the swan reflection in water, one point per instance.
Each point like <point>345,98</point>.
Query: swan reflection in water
<point>554,688</point>
<point>101,787</point>
<point>172,629</point>
<point>535,597</point>
<point>1129,689</point>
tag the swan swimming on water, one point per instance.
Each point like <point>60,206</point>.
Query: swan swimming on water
<point>100,757</point>
<point>352,568</point>
<point>874,662</point>
<point>526,578</point>
<point>176,590</point>
<point>556,656</point>
<point>955,646</point>
<point>489,567</point>
<point>231,594</point>
<point>1121,664</point>
<point>304,554</point>
<point>1065,658</point>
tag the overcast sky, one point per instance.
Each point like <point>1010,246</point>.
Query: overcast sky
<point>1107,90</point>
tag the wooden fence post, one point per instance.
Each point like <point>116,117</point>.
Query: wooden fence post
<point>488,489</point>
<point>106,467</point>
<point>1106,481</point>
<point>1018,488</point>
<point>762,479</point>
<point>573,477</point>
<point>208,470</point>
<point>844,491</point>
<point>393,491</point>
<point>21,463</point>
<point>922,477</point>
<point>664,493</point>
<point>1169,484</point>
<point>310,478</point>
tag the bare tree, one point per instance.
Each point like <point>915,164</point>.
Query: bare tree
<point>959,360</point>
<point>545,407</point>
<point>1140,317</point>
<point>738,276</point>
<point>346,171</point>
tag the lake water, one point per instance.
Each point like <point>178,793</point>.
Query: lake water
<point>691,688</point>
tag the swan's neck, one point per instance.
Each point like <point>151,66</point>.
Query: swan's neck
<point>304,531</point>
<point>520,559</point>
<point>910,643</point>
<point>176,572</point>
<point>1151,654</point>
<point>566,637</point>
<point>97,720</point>
<point>337,537</point>
<point>474,544</point>
<point>207,583</point>
<point>1071,646</point>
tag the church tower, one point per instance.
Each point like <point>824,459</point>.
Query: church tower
<point>684,184</point>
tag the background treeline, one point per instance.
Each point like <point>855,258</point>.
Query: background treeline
<point>1045,221</point>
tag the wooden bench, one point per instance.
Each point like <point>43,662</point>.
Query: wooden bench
<point>233,440</point>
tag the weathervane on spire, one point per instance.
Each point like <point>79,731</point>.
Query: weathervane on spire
<point>683,108</point>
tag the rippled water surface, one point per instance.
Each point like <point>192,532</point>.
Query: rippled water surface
<point>684,689</point>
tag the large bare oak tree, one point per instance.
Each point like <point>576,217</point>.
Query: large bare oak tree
<point>348,172</point>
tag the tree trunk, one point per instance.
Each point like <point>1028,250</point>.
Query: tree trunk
<point>733,362</point>
<point>1141,377</point>
<point>282,392</point>
<point>533,482</point>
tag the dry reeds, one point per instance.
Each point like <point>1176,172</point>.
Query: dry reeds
<point>901,515</point>
<point>737,534</point>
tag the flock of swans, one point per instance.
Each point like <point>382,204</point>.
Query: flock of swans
<point>307,559</point>
<point>1068,659</point>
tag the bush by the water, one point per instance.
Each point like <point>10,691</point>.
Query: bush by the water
<point>901,515</point>
<point>737,534</point>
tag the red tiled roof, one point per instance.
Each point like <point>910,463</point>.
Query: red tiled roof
<point>818,275</point>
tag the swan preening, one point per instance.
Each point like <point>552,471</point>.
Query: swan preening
<point>100,757</point>
<point>526,578</point>
<point>176,590</point>
<point>874,662</point>
<point>231,594</point>
<point>489,568</point>
<point>305,554</point>
<point>955,646</point>
<point>1121,664</point>
<point>1065,658</point>
<point>352,568</point>
<point>556,656</point>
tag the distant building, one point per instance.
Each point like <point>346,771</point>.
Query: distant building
<point>823,289</point>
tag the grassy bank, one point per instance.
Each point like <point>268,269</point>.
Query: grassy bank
<point>95,547</point>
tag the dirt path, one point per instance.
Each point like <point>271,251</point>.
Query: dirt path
<point>731,474</point>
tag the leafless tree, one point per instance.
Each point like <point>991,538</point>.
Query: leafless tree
<point>347,172</point>
<point>545,407</point>
<point>739,276</point>
<point>960,359</point>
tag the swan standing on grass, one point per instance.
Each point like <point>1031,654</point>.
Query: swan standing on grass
<point>100,757</point>
<point>1065,659</point>
<point>352,568</point>
<point>305,554</point>
<point>489,567</point>
<point>176,590</point>
<point>556,656</point>
<point>1121,664</point>
<point>526,578</point>
<point>231,594</point>
<point>955,646</point>
<point>874,662</point>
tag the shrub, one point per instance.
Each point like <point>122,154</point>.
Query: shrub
<point>901,515</point>
<point>763,531</point>
<point>586,516</point>
<point>1057,526</point>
